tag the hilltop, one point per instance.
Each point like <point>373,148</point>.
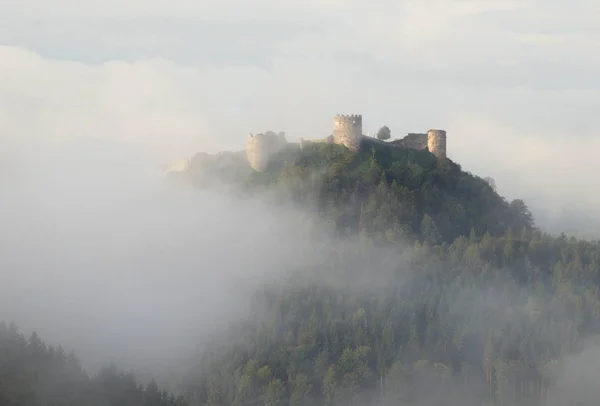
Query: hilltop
<point>453,296</point>
<point>386,192</point>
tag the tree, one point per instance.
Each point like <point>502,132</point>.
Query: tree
<point>33,373</point>
<point>521,213</point>
<point>384,133</point>
<point>490,181</point>
<point>429,231</point>
<point>274,393</point>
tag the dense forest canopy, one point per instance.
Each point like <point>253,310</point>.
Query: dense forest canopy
<point>387,193</point>
<point>437,291</point>
<point>35,374</point>
<point>466,300</point>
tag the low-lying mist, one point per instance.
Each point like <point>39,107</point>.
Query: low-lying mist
<point>99,255</point>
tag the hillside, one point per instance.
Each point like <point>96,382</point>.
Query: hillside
<point>490,319</point>
<point>453,297</point>
<point>35,374</point>
<point>387,193</point>
<point>434,291</point>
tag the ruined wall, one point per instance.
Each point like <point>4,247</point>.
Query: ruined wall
<point>347,130</point>
<point>416,141</point>
<point>261,147</point>
<point>327,140</point>
<point>436,143</point>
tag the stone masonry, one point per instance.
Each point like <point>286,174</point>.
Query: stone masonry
<point>436,143</point>
<point>416,141</point>
<point>347,130</point>
<point>433,140</point>
<point>261,147</point>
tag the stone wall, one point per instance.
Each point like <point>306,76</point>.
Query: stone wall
<point>436,143</point>
<point>327,140</point>
<point>261,147</point>
<point>347,130</point>
<point>416,141</point>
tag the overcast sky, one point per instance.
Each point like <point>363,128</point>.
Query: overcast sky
<point>515,83</point>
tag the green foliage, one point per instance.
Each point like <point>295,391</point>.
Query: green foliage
<point>476,304</point>
<point>384,133</point>
<point>468,320</point>
<point>34,374</point>
<point>448,295</point>
<point>383,192</point>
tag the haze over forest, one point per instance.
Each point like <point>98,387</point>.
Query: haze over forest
<point>100,256</point>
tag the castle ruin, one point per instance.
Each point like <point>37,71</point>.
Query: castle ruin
<point>436,143</point>
<point>433,140</point>
<point>261,147</point>
<point>347,131</point>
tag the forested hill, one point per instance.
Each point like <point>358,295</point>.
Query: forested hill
<point>448,296</point>
<point>388,193</point>
<point>436,292</point>
<point>35,374</point>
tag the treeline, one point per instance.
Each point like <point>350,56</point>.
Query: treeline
<point>35,374</point>
<point>392,194</point>
<point>486,319</point>
<point>440,292</point>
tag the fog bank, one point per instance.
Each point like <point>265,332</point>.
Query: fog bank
<point>99,255</point>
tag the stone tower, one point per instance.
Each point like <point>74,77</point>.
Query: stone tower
<point>261,147</point>
<point>347,130</point>
<point>436,143</point>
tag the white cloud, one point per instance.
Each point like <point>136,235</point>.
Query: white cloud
<point>541,165</point>
<point>145,102</point>
<point>139,9</point>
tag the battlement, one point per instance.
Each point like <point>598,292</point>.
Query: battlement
<point>347,130</point>
<point>348,116</point>
<point>440,133</point>
<point>347,119</point>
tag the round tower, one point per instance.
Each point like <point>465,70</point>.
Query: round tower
<point>436,143</point>
<point>261,147</point>
<point>256,152</point>
<point>347,130</point>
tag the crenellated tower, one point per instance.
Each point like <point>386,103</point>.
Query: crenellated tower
<point>347,130</point>
<point>436,143</point>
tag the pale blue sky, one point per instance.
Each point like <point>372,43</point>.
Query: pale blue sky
<point>515,82</point>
